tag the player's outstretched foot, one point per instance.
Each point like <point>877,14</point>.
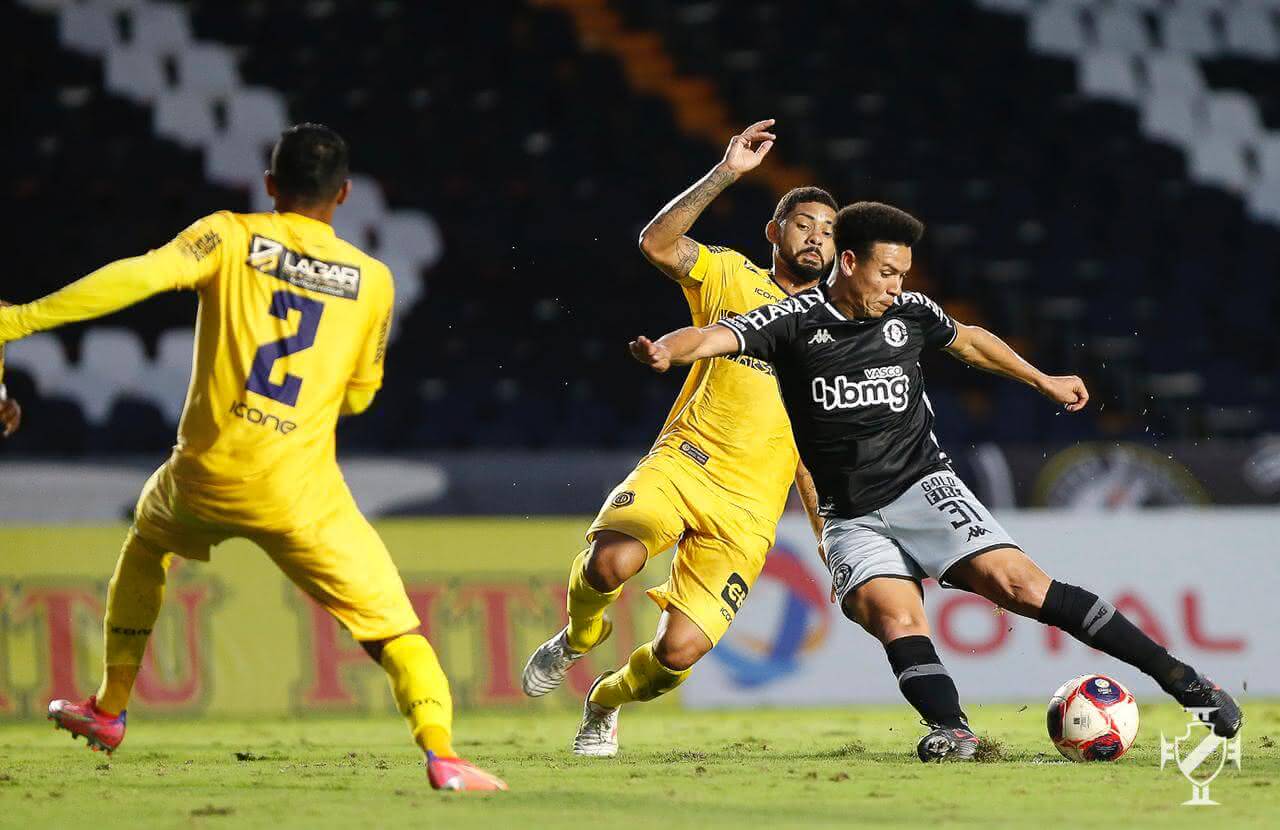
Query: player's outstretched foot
<point>1204,693</point>
<point>598,735</point>
<point>457,774</point>
<point>549,664</point>
<point>100,731</point>
<point>947,743</point>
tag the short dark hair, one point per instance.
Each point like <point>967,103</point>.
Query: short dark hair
<point>861,225</point>
<point>798,195</point>
<point>310,162</point>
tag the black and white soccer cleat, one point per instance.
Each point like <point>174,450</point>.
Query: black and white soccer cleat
<point>1203,693</point>
<point>945,743</point>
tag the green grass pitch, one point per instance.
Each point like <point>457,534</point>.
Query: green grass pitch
<point>677,769</point>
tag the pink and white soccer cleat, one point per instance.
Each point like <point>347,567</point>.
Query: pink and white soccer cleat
<point>100,731</point>
<point>457,774</point>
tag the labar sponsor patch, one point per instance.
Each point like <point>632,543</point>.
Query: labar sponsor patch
<point>333,278</point>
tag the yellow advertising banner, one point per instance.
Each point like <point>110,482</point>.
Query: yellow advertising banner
<point>237,638</point>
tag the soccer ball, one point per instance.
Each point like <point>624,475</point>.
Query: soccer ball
<point>1092,718</point>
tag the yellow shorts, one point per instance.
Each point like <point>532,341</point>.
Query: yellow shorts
<point>720,546</point>
<point>334,555</point>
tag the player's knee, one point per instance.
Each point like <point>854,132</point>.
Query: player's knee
<point>888,626</point>
<point>1019,589</point>
<point>679,653</point>
<point>614,558</point>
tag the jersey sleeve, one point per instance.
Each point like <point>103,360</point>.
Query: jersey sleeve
<point>186,262</point>
<point>704,285</point>
<point>938,327</point>
<point>764,332</point>
<point>369,366</point>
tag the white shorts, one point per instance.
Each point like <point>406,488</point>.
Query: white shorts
<point>932,526</point>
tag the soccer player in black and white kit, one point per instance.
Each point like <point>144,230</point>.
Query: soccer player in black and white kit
<point>847,357</point>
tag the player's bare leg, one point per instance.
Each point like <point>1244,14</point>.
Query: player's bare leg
<point>654,669</point>
<point>595,582</point>
<point>1010,579</point>
<point>892,611</point>
<point>421,692</point>
<point>134,598</point>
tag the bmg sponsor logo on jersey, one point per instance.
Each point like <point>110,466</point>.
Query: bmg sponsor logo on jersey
<point>884,385</point>
<point>332,278</point>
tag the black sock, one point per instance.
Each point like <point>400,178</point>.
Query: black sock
<point>924,681</point>
<point>1096,622</point>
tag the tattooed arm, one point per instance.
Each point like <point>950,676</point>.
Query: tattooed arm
<point>663,240</point>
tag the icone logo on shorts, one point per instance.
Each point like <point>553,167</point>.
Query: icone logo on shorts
<point>804,620</point>
<point>883,385</point>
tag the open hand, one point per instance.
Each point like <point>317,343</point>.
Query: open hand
<point>654,355</point>
<point>1067,390</point>
<point>749,147</point>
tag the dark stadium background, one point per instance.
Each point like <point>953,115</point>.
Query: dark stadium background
<point>1065,210</point>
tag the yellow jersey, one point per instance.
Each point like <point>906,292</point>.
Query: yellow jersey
<point>729,419</point>
<point>292,320</point>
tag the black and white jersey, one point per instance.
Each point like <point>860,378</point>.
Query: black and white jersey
<point>854,392</point>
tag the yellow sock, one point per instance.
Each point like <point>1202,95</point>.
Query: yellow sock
<point>586,607</point>
<point>421,691</point>
<point>642,678</point>
<point>116,686</point>
<point>134,598</point>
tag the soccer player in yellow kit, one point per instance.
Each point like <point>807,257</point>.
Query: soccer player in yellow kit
<point>292,332</point>
<point>716,480</point>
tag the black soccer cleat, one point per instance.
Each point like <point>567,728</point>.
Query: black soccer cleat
<point>945,743</point>
<point>1203,693</point>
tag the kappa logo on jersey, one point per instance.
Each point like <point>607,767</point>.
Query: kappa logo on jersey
<point>976,531</point>
<point>332,278</point>
<point>885,385</point>
<point>823,336</point>
<point>895,333</point>
<point>735,591</point>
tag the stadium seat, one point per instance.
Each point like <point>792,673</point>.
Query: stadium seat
<point>136,74</point>
<point>43,358</point>
<point>1219,159</point>
<point>208,70</point>
<point>1174,118</point>
<point>90,28</point>
<point>1109,75</point>
<point>1251,31</point>
<point>1264,201</point>
<point>1170,74</point>
<point>1268,151</point>
<point>1057,29</point>
<point>236,160</point>
<point>1234,114</point>
<point>256,113</point>
<point>159,28</point>
<point>1188,29</point>
<point>413,235</point>
<point>1122,29</point>
<point>112,364</point>
<point>167,378</point>
<point>184,117</point>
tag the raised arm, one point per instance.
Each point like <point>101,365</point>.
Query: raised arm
<point>683,346</point>
<point>663,240</point>
<point>983,350</point>
<point>184,262</point>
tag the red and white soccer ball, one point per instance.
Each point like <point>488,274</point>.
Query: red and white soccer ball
<point>1092,718</point>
